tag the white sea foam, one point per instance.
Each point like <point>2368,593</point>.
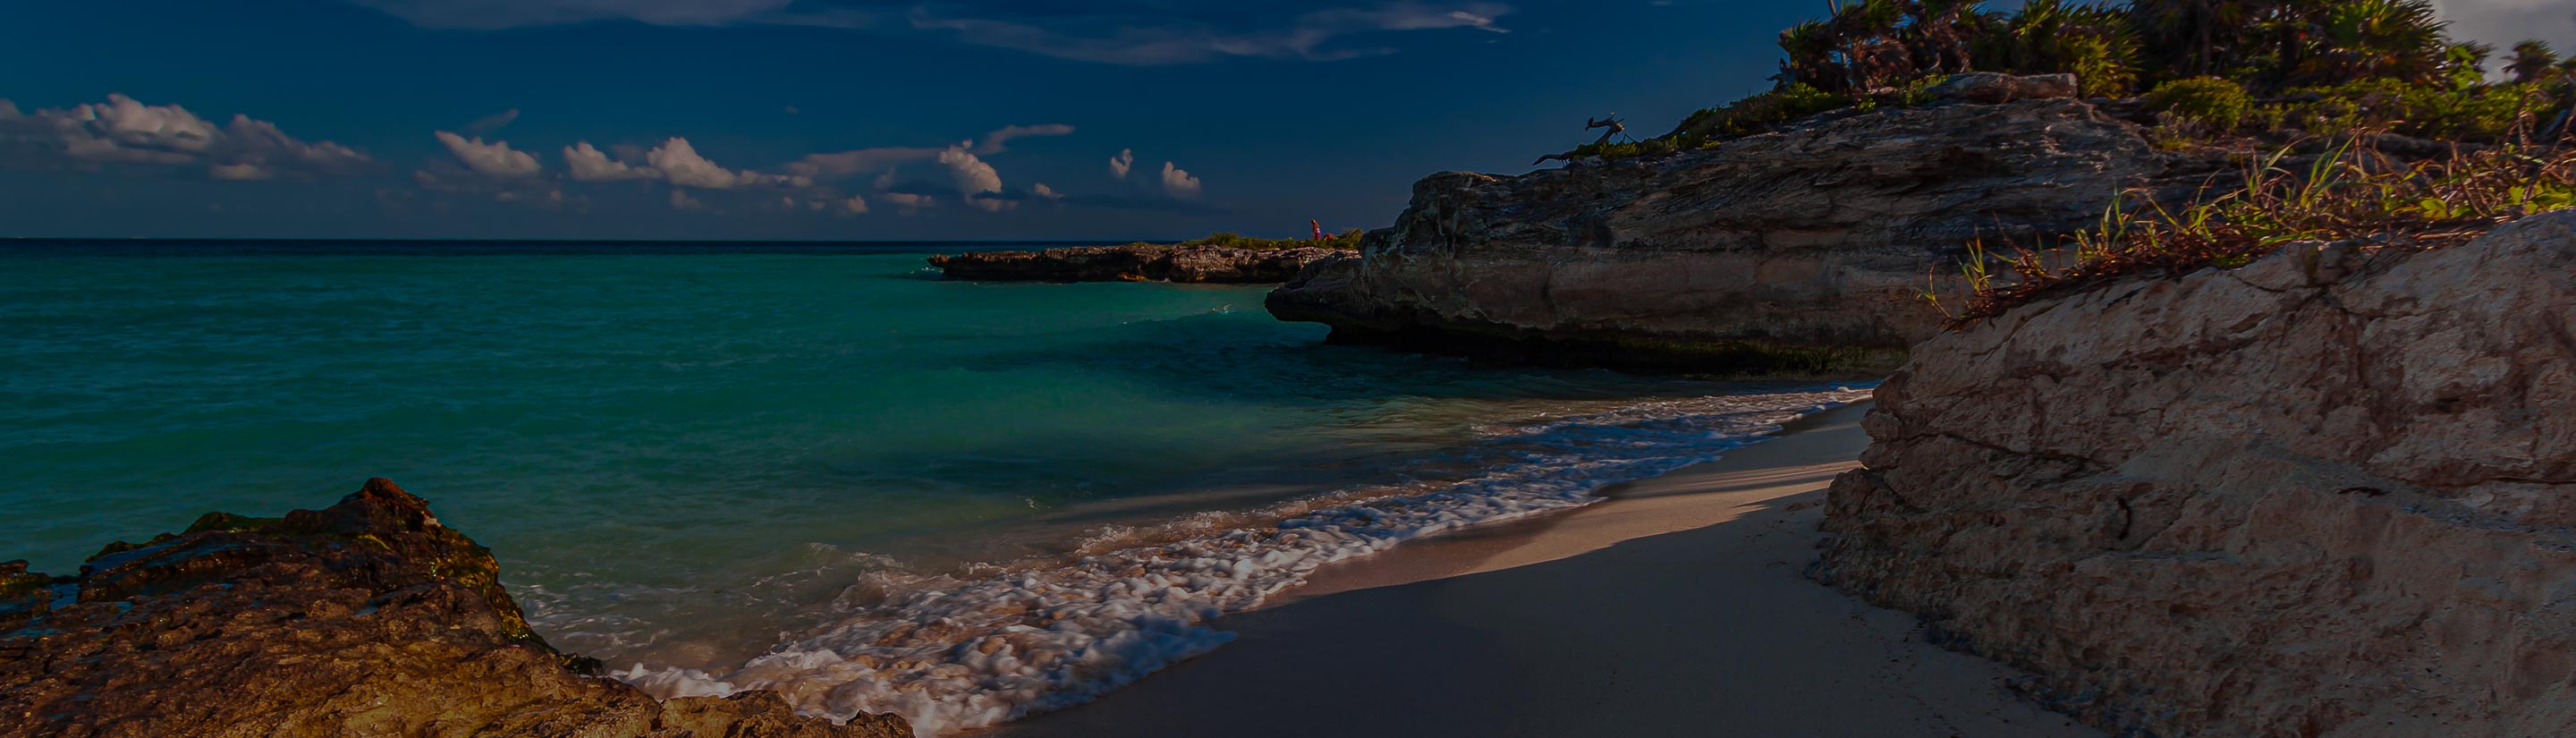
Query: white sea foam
<point>994,643</point>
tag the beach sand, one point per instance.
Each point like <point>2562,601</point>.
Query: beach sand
<point>1676,608</point>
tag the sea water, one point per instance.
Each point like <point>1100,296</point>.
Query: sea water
<point>813,468</point>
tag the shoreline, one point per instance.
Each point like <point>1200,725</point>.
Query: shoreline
<point>1675,607</point>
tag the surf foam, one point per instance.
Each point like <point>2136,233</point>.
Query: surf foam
<point>960,651</point>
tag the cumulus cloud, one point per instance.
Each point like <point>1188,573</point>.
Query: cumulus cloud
<point>681,200</point>
<point>905,202</point>
<point>972,177</point>
<point>994,142</point>
<point>587,164</point>
<point>493,122</point>
<point>680,164</point>
<point>1178,181</point>
<point>845,163</point>
<point>856,205</point>
<point>125,131</point>
<point>1119,165</point>
<point>839,164</point>
<point>494,159</point>
<point>1044,192</point>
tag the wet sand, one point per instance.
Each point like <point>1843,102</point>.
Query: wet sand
<point>1676,608</point>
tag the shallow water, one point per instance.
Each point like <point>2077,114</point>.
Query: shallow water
<point>723,466</point>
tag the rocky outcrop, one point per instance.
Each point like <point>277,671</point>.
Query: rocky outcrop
<point>1134,263</point>
<point>1802,249</point>
<point>367,618</point>
<point>2331,493</point>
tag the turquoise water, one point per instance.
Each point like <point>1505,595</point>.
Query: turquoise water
<point>681,453</point>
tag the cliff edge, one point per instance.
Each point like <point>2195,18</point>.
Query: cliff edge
<point>2330,493</point>
<point>1797,250</point>
<point>366,618</point>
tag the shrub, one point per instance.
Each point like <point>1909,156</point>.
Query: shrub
<point>1756,114</point>
<point>2481,113</point>
<point>2207,101</point>
<point>2339,197</point>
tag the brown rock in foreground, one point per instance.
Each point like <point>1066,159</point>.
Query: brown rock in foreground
<point>2332,493</point>
<point>1134,263</point>
<point>367,618</point>
<point>1800,250</point>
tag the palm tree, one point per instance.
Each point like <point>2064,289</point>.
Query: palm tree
<point>2096,43</point>
<point>1810,49</point>
<point>2400,39</point>
<point>1941,33</point>
<point>1871,55</point>
<point>2532,60</point>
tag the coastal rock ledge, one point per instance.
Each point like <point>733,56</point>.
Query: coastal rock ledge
<point>2330,493</point>
<point>1134,263</point>
<point>366,618</point>
<point>1798,250</point>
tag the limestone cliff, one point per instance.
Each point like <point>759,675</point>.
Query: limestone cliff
<point>367,618</point>
<point>1801,249</point>
<point>2331,493</point>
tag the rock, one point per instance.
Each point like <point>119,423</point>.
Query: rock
<point>1802,250</point>
<point>1995,88</point>
<point>366,618</point>
<point>1134,263</point>
<point>2331,493</point>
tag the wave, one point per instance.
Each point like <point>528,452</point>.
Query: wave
<point>992,643</point>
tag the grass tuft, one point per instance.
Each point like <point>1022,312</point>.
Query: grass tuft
<point>2348,195</point>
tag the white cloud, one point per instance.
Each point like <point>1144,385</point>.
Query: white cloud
<point>1119,165</point>
<point>681,200</point>
<point>993,143</point>
<point>1041,190</point>
<point>681,165</point>
<point>239,172</point>
<point>1178,181</point>
<point>494,159</point>
<point>589,164</point>
<point>854,206</point>
<point>125,131</point>
<point>973,177</point>
<point>906,202</point>
<point>845,163</point>
<point>493,122</point>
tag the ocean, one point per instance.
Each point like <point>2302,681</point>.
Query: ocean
<point>816,468</point>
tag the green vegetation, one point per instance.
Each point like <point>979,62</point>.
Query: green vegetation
<point>2202,101</point>
<point>1346,240</point>
<point>2344,196</point>
<point>2276,69</point>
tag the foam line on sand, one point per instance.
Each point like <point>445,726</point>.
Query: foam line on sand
<point>1677,608</point>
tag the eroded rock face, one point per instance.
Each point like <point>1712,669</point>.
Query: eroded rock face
<point>1808,247</point>
<point>367,618</point>
<point>2332,493</point>
<point>1134,263</point>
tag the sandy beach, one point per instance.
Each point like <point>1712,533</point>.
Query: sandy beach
<point>1674,608</point>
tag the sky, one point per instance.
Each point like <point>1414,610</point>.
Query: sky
<point>838,119</point>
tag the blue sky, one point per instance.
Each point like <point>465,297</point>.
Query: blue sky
<point>787,118</point>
